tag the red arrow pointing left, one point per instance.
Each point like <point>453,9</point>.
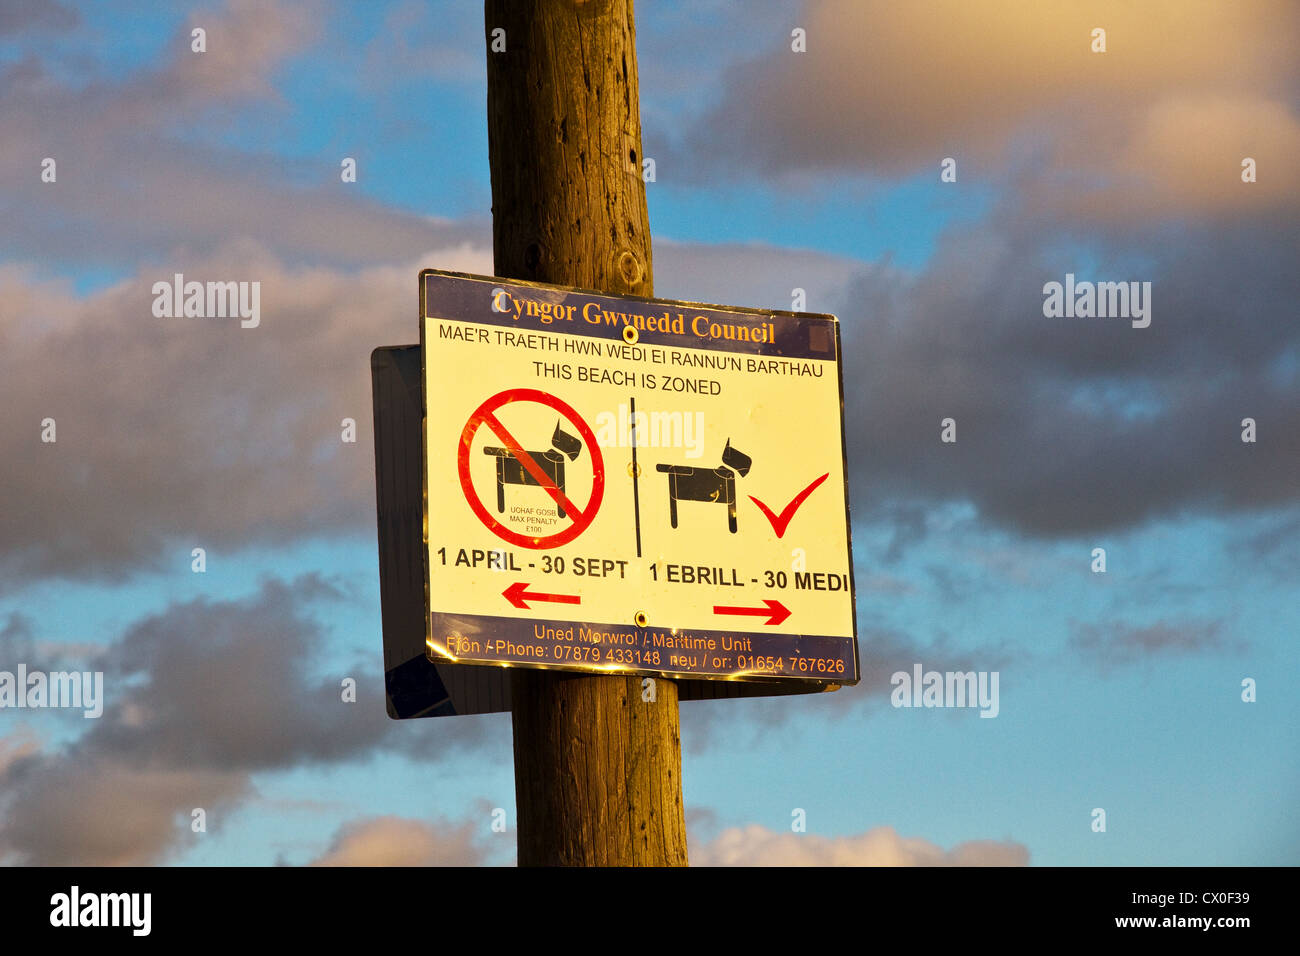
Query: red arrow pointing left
<point>519,595</point>
<point>775,612</point>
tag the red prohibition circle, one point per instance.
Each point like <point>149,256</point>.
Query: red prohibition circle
<point>485,413</point>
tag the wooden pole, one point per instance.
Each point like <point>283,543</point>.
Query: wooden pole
<point>597,769</point>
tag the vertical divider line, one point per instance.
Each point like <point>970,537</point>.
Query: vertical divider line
<point>636,474</point>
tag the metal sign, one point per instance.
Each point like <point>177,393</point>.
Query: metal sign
<point>417,685</point>
<point>633,485</point>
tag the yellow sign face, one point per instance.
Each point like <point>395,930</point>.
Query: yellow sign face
<point>634,485</point>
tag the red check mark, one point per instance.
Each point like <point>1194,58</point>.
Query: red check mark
<point>782,521</point>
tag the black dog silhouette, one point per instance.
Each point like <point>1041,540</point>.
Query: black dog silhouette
<point>511,471</point>
<point>688,483</point>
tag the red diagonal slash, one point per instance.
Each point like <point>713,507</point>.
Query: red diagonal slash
<point>782,521</point>
<point>526,460</point>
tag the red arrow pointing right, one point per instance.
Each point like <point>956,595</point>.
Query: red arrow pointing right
<point>775,612</point>
<point>519,595</point>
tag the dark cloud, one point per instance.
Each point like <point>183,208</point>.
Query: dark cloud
<point>952,587</point>
<point>16,636</point>
<point>746,722</point>
<point>200,697</point>
<point>1078,426</point>
<point>1272,551</point>
<point>131,188</point>
<point>19,643</point>
<point>909,524</point>
<point>754,275</point>
<point>237,685</point>
<point>228,685</point>
<point>684,49</point>
<point>702,819</point>
<point>1281,540</point>
<point>92,811</point>
<point>1116,644</point>
<point>1014,92</point>
<point>175,433</point>
<point>17,16</point>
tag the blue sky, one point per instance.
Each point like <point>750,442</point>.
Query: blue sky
<point>1119,690</point>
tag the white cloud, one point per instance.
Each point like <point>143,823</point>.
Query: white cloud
<point>395,841</point>
<point>754,845</point>
<point>1013,91</point>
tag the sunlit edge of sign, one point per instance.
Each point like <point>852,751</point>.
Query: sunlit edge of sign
<point>439,653</point>
<point>745,309</point>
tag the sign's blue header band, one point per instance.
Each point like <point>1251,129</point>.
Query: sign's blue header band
<point>491,301</point>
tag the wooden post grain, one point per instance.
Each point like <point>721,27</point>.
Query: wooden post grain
<point>597,769</point>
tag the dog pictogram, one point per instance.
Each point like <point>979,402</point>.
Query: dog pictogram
<point>511,471</point>
<point>688,483</point>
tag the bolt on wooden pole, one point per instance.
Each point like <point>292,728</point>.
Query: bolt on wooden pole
<point>597,768</point>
